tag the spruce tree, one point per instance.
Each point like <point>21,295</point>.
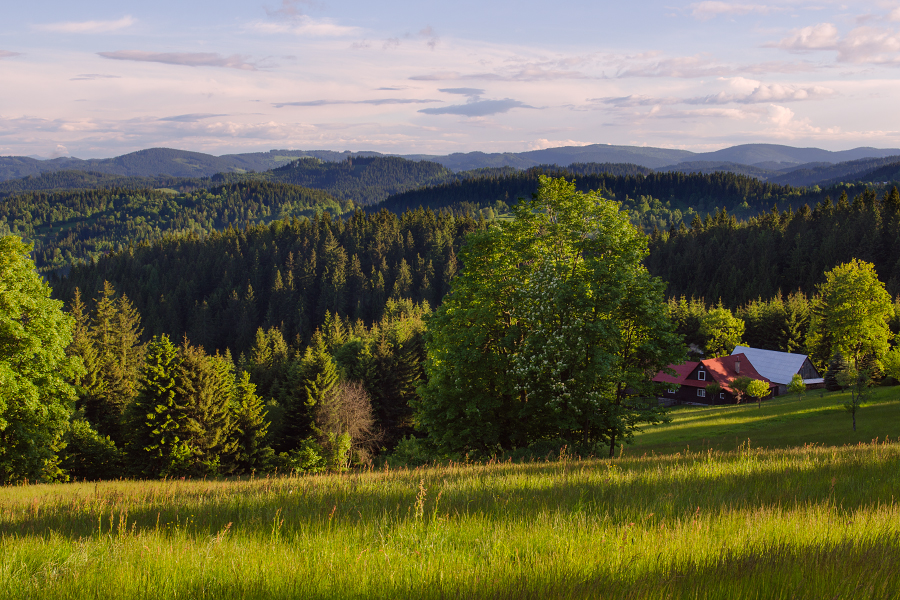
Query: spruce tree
<point>155,446</point>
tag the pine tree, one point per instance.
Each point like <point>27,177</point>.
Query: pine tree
<point>252,450</point>
<point>155,447</point>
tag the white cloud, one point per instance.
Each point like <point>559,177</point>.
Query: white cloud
<point>9,54</point>
<point>88,26</point>
<point>304,25</point>
<point>862,45</point>
<point>822,36</point>
<point>705,11</point>
<point>544,143</point>
<point>187,59</point>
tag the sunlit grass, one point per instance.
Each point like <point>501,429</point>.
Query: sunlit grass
<point>783,422</point>
<point>810,522</point>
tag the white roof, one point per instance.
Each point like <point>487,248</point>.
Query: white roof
<point>777,367</point>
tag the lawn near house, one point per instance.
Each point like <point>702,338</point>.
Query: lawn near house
<point>782,422</point>
<point>807,522</point>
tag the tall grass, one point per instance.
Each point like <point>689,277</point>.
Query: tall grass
<point>812,522</point>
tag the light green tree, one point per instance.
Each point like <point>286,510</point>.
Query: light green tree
<point>850,315</point>
<point>551,331</point>
<point>35,396</point>
<point>722,331</point>
<point>857,382</point>
<point>758,389</point>
<point>797,386</point>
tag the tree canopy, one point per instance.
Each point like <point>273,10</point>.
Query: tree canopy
<point>34,369</point>
<point>552,330</point>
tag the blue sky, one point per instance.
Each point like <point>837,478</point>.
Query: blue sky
<point>97,78</point>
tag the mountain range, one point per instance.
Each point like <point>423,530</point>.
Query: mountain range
<point>768,162</point>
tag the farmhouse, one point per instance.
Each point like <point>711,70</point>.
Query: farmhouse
<point>780,367</point>
<point>690,381</point>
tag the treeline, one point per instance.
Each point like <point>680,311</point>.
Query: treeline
<point>62,181</point>
<point>364,180</point>
<point>658,200</point>
<point>722,259</point>
<point>163,408</point>
<point>220,289</point>
<point>74,227</point>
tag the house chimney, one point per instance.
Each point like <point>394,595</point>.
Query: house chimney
<point>737,366</point>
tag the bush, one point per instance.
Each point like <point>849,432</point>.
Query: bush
<point>89,455</point>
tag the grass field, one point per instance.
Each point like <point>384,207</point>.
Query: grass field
<point>784,422</point>
<point>814,521</point>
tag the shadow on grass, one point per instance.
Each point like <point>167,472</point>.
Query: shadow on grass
<point>669,487</point>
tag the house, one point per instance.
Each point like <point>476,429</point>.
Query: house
<point>780,367</point>
<point>690,381</point>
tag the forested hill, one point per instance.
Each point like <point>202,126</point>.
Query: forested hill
<point>719,258</point>
<point>81,225</point>
<point>89,180</point>
<point>287,274</point>
<point>365,180</point>
<point>660,200</point>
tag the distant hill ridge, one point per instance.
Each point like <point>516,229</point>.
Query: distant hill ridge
<point>780,164</point>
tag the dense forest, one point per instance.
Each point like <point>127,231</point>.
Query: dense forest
<point>220,289</point>
<point>79,226</point>
<point>721,258</point>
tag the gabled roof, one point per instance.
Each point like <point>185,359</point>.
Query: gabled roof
<point>681,370</point>
<point>722,370</point>
<point>779,367</point>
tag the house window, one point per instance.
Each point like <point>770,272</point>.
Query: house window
<point>722,395</point>
<point>701,375</point>
<point>702,393</point>
<point>671,390</point>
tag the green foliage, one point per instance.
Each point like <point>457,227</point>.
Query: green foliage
<point>89,455</point>
<point>155,448</point>
<point>549,331</point>
<point>713,389</point>
<point>740,386</point>
<point>35,396</point>
<point>797,386</point>
<point>850,315</point>
<point>857,382</point>
<point>722,331</point>
<point>252,451</point>
<point>285,276</point>
<point>758,389</point>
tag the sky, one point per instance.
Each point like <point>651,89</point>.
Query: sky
<point>98,78</point>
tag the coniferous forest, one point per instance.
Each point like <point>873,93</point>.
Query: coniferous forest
<point>244,323</point>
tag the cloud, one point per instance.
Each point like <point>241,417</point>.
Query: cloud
<point>376,102</point>
<point>289,9</point>
<point>187,59</point>
<point>88,26</point>
<point>705,11</point>
<point>471,92</point>
<point>191,118</point>
<point>304,25</point>
<point>92,77</point>
<point>862,45</point>
<point>544,143</point>
<point>822,36</point>
<point>431,37</point>
<point>479,108</point>
<point>390,43</point>
<point>9,54</point>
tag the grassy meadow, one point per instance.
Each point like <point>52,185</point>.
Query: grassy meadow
<point>819,520</point>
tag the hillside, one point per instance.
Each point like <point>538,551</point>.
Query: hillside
<point>812,522</point>
<point>81,225</point>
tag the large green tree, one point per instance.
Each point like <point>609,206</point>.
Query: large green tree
<point>850,315</point>
<point>35,396</point>
<point>552,331</point>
